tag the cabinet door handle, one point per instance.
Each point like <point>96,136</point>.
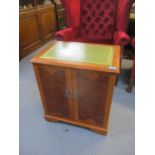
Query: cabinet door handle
<point>76,94</point>
<point>68,94</point>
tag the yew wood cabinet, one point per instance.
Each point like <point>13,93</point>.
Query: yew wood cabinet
<point>76,82</point>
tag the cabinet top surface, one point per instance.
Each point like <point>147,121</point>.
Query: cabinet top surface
<point>85,55</point>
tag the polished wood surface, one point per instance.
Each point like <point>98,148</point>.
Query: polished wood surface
<point>36,27</point>
<point>47,21</point>
<point>90,88</point>
<point>53,80</point>
<point>29,32</point>
<point>79,96</point>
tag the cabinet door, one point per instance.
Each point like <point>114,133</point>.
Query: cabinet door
<point>90,93</point>
<point>47,21</point>
<point>28,31</point>
<point>54,83</point>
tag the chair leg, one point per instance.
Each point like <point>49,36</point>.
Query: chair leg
<point>131,82</point>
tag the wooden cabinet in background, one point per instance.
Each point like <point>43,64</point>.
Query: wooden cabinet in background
<point>36,27</point>
<point>29,31</point>
<point>47,22</point>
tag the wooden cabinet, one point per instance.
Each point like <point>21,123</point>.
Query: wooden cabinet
<point>36,26</point>
<point>47,22</point>
<point>76,95</point>
<point>29,31</point>
<point>73,92</point>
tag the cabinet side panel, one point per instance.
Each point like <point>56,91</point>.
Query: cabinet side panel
<point>35,67</point>
<point>110,89</point>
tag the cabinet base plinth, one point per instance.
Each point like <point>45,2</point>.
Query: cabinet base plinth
<point>51,120</point>
<point>98,130</point>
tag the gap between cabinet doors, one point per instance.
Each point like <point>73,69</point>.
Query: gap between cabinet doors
<point>72,95</point>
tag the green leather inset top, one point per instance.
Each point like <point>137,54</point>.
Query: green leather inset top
<point>81,52</point>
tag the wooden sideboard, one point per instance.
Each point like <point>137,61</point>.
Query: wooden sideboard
<point>36,26</point>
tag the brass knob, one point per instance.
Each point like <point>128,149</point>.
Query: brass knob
<point>68,94</point>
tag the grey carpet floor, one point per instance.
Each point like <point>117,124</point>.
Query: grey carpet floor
<point>39,137</point>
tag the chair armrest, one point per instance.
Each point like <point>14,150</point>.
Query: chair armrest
<point>121,38</point>
<point>67,34</point>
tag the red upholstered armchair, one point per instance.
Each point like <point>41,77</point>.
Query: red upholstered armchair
<point>96,21</point>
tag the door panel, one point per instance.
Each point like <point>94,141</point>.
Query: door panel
<point>47,22</point>
<point>28,31</point>
<point>90,91</point>
<point>54,84</point>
